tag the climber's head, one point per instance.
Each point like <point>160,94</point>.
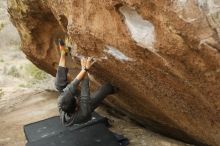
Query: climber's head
<point>68,103</point>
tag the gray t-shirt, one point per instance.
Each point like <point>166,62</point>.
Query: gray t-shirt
<point>83,113</point>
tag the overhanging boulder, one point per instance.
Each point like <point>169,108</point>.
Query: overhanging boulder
<point>164,55</point>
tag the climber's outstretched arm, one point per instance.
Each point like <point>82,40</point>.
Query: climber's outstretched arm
<point>86,64</point>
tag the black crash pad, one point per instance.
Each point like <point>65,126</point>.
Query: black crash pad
<point>53,126</point>
<point>93,135</point>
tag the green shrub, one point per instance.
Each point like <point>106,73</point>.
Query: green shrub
<point>13,71</point>
<point>34,72</point>
<point>2,25</point>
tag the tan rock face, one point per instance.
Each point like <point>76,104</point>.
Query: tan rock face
<point>164,55</point>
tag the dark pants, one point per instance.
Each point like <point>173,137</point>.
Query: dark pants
<point>98,96</point>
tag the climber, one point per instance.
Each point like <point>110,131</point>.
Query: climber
<point>76,108</point>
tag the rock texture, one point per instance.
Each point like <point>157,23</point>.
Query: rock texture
<point>164,55</point>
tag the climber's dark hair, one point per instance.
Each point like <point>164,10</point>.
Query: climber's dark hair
<point>68,103</point>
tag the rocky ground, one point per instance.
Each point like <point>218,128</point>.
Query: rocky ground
<point>36,105</point>
<point>27,95</point>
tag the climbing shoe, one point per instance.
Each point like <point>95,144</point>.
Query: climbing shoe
<point>63,49</point>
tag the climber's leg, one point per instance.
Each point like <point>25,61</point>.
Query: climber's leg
<point>98,96</point>
<point>61,75</point>
<point>61,78</point>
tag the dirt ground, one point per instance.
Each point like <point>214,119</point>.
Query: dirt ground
<point>39,104</point>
